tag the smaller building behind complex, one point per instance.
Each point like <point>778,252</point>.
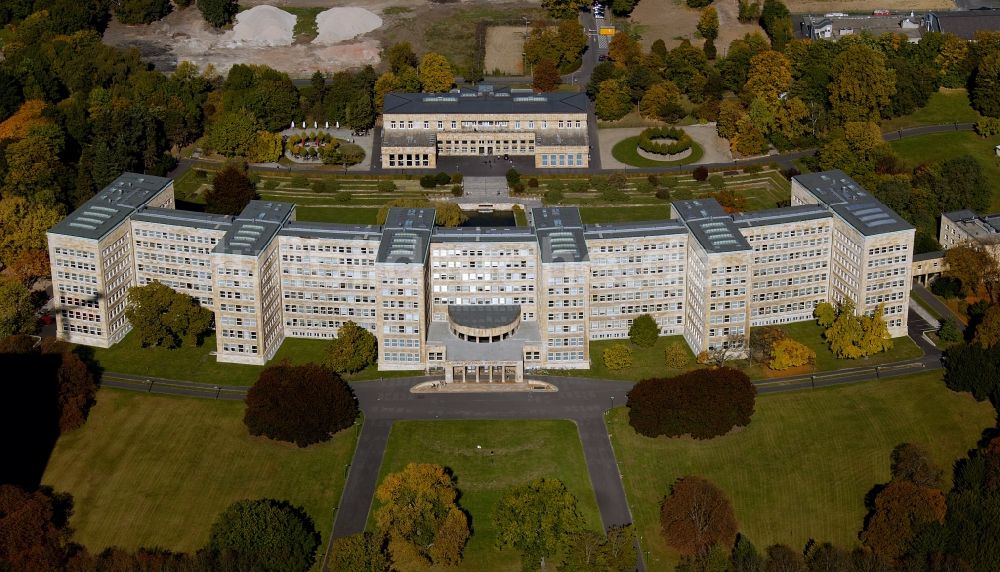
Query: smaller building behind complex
<point>481,304</point>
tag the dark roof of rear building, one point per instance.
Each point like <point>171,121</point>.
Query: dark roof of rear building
<point>965,23</point>
<point>485,102</point>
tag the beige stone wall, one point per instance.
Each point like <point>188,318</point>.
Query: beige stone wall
<point>239,318</point>
<point>177,256</point>
<point>326,282</point>
<point>409,157</point>
<point>515,121</point>
<point>401,316</point>
<point>78,291</point>
<point>718,297</point>
<point>564,314</point>
<point>887,278</point>
<point>634,276</point>
<point>559,157</point>
<point>952,234</point>
<point>483,273</point>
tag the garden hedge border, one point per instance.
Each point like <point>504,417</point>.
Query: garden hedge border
<point>682,141</point>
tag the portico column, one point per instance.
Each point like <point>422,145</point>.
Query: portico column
<point>491,374</point>
<point>464,369</point>
<point>477,373</point>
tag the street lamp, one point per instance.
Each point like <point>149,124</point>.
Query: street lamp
<point>612,403</point>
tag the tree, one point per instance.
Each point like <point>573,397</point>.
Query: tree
<point>303,404</point>
<point>31,265</point>
<point>828,558</point>
<point>788,353</point>
<point>589,551</point>
<point>34,529</point>
<point>696,516</point>
<point>446,214</point>
<point>745,557</point>
<point>676,356</point>
<point>435,73</point>
<point>902,508</point>
<point>769,76</point>
<point>17,313</point>
<point>985,94</point>
<point>777,22</point>
<point>862,84</point>
<point>702,403</point>
<point>988,331</point>
<point>234,133</point>
<point>399,56</point>
<point>911,462</point>
<point>760,344</point>
<point>270,534</point>
<point>561,9</point>
<point>266,148</point>
<point>967,263</point>
<point>973,368</point>
<point>661,101</point>
<point>545,76</point>
<point>613,100</point>
<point>418,513</point>
<point>617,357</point>
<point>781,558</point>
<point>231,192</point>
<point>386,83</point>
<point>708,23</point>
<point>644,331</point>
<point>23,227</point>
<point>364,552</point>
<point>538,519</point>
<point>949,331</point>
<point>162,317</point>
<point>851,336</point>
<point>218,12</point>
<point>354,349</point>
<point>624,50</point>
<point>75,388</point>
<point>141,11</point>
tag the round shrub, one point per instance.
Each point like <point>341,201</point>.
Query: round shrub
<point>302,404</point>
<point>681,140</point>
<point>663,194</point>
<point>553,196</point>
<point>644,331</point>
<point>617,356</point>
<point>386,186</point>
<point>443,178</point>
<point>533,182</point>
<point>700,174</point>
<point>266,533</point>
<point>428,181</point>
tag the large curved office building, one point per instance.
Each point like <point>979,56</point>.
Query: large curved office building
<point>480,304</point>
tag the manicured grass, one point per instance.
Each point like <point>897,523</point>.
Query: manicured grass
<point>343,215</point>
<point>945,106</point>
<point>940,146</point>
<point>802,467</point>
<point>199,364</point>
<point>646,362</point>
<point>150,470</point>
<point>627,152</point>
<point>811,334</point>
<point>512,453</point>
<point>592,215</point>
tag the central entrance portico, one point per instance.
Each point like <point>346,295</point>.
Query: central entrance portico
<point>483,343</point>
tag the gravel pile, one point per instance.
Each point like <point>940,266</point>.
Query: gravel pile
<point>340,24</point>
<point>261,26</point>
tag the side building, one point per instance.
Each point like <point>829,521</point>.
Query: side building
<point>419,129</point>
<point>481,304</point>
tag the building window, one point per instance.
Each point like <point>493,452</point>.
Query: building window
<point>545,160</point>
<point>454,125</point>
<point>579,159</point>
<point>441,125</point>
<point>531,124</point>
<point>427,124</point>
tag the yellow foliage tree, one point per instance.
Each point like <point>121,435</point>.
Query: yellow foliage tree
<point>266,148</point>
<point>788,353</point>
<point>435,73</point>
<point>18,125</point>
<point>23,227</point>
<point>770,75</point>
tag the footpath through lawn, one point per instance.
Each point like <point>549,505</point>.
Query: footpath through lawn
<point>149,470</point>
<point>802,467</point>
<point>486,457</point>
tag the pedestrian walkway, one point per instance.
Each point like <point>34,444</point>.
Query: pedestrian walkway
<point>482,190</point>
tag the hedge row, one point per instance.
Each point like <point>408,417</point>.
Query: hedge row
<point>682,141</point>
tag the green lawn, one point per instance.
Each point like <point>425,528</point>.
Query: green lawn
<point>627,152</point>
<point>944,106</point>
<point>592,215</point>
<point>802,467</point>
<point>150,470</point>
<point>198,364</point>
<point>343,215</point>
<point>512,453</point>
<point>646,362</point>
<point>939,146</point>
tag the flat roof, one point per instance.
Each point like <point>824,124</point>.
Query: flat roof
<point>711,225</point>
<point>111,206</point>
<point>253,229</point>
<point>408,138</point>
<point>332,230</point>
<point>510,349</point>
<point>985,228</point>
<point>851,202</point>
<point>553,138</point>
<point>406,236</point>
<point>482,102</point>
<point>965,23</point>
<point>483,315</point>
<point>559,232</point>
<point>634,229</point>
<point>781,215</point>
<point>190,219</point>
<point>483,234</point>
<point>410,217</point>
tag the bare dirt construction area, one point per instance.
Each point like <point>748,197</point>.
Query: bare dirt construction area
<point>504,45</point>
<point>667,20</point>
<point>262,35</point>
<point>730,27</point>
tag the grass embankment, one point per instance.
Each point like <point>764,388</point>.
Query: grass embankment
<point>802,467</point>
<point>512,453</point>
<point>944,106</point>
<point>149,470</point>
<point>199,363</point>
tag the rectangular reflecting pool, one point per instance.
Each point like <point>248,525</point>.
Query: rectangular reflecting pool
<point>495,218</point>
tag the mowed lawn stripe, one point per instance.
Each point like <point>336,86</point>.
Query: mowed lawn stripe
<point>802,467</point>
<point>521,451</point>
<point>149,470</point>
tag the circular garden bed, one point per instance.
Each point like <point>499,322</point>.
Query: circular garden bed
<point>658,147</point>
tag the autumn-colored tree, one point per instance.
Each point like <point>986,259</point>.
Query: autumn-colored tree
<point>851,336</point>
<point>161,316</point>
<point>902,508</point>
<point>708,23</point>
<point>435,73</point>
<point>364,551</point>
<point>266,148</point>
<point>661,101</point>
<point>769,76</point>
<point>400,55</point>
<point>17,313</point>
<point>781,558</point>
<point>968,263</point>
<point>75,389</point>
<point>749,139</point>
<point>23,226</point>
<point>386,83</point>
<point>34,529</point>
<point>788,353</point>
<point>988,330</point>
<point>30,266</point>
<point>34,165</point>
<point>354,349</point>
<point>539,519</point>
<point>676,356</point>
<point>617,357</point>
<point>545,76</point>
<point>234,133</point>
<point>417,510</point>
<point>731,200</point>
<point>696,516</point>
<point>730,113</point>
<point>703,403</point>
<point>28,116</point>
<point>232,190</point>
<point>624,50</point>
<point>911,462</point>
<point>862,84</point>
<point>302,404</point>
<point>613,100</point>
<point>825,314</point>
<point>760,343</point>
